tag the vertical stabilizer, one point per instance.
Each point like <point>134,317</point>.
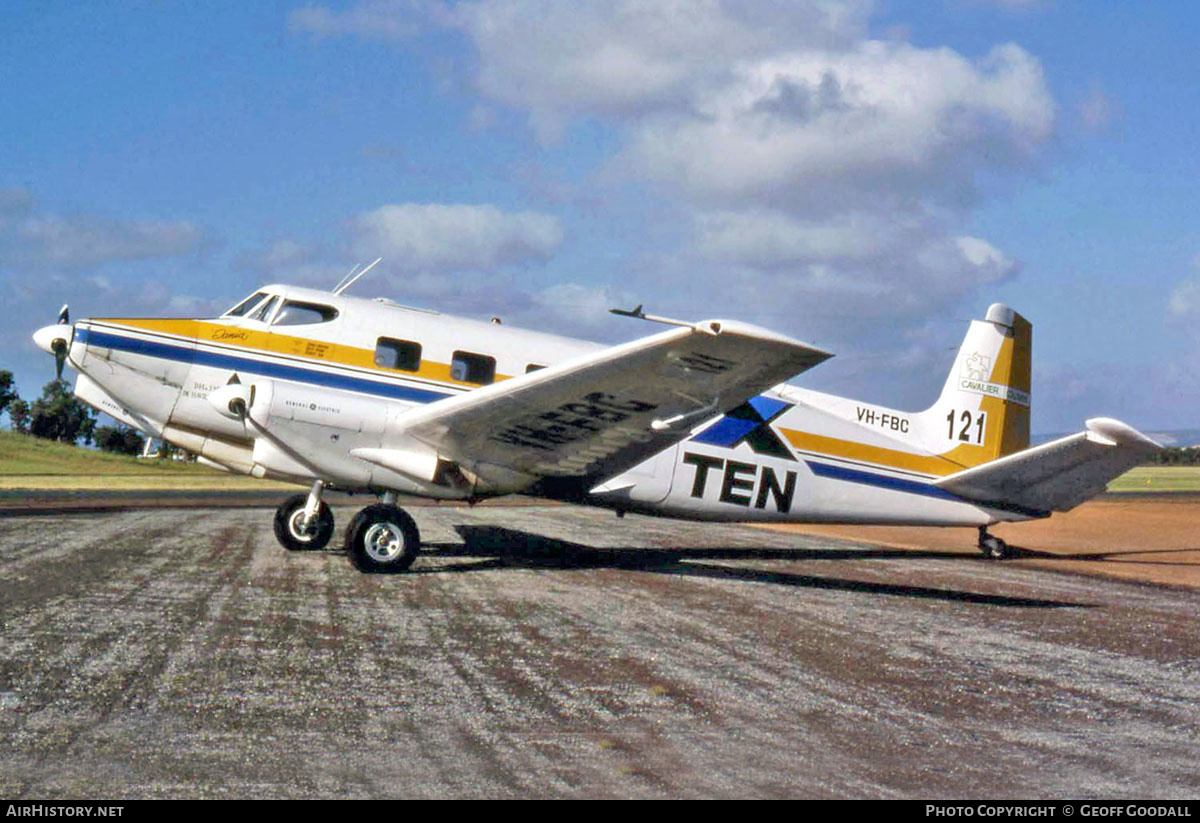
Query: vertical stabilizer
<point>983,411</point>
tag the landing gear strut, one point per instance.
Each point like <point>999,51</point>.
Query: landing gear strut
<point>382,538</point>
<point>304,521</point>
<point>992,546</point>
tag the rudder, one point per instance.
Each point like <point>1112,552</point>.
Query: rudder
<point>983,410</point>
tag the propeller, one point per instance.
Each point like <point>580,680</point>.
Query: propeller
<point>60,356</point>
<point>60,345</point>
<point>56,340</point>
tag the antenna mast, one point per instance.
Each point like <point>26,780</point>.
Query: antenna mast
<point>350,279</point>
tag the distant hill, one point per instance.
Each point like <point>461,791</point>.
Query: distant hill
<point>1171,437</point>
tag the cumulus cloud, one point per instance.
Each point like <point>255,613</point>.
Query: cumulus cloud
<point>80,242</point>
<point>1184,302</point>
<point>631,58</point>
<point>605,57</point>
<point>425,236</point>
<point>883,118</point>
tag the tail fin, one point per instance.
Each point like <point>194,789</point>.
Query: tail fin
<point>983,411</point>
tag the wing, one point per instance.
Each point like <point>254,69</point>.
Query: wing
<point>602,413</point>
<point>1059,475</point>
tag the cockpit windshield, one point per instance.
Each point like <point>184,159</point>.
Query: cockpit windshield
<point>246,305</point>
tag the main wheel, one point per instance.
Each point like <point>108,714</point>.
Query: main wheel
<point>382,538</point>
<point>288,518</point>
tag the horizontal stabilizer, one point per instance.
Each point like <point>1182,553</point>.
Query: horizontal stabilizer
<point>1059,475</point>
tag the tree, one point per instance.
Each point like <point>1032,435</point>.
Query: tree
<point>58,415</point>
<point>120,439</point>
<point>18,413</point>
<point>8,389</point>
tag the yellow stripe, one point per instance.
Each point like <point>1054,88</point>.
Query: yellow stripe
<point>209,331</point>
<point>952,461</point>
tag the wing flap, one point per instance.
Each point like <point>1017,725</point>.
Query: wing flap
<point>604,412</point>
<point>1059,475</point>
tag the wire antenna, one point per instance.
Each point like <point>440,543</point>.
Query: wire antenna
<point>349,274</point>
<point>349,280</point>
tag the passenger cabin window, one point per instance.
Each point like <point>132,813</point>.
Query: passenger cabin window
<point>398,354</point>
<point>533,367</point>
<point>241,308</point>
<point>265,310</point>
<point>473,368</point>
<point>296,313</point>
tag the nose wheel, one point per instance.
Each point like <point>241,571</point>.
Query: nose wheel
<point>296,530</point>
<point>382,538</point>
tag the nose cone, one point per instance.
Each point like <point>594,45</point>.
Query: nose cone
<point>47,336</point>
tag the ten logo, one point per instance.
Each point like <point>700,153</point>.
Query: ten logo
<point>738,481</point>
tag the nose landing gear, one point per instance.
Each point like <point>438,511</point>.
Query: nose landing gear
<point>304,521</point>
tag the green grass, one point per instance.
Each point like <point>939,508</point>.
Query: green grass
<point>22,454</point>
<point>1158,479</point>
<point>32,463</point>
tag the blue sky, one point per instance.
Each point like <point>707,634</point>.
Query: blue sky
<point>867,176</point>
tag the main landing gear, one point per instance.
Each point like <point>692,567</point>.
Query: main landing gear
<point>993,547</point>
<point>380,538</point>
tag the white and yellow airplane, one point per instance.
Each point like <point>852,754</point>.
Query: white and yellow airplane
<point>338,392</point>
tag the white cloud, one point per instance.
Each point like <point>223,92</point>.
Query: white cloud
<point>885,117</point>
<point>424,236</point>
<point>601,56</point>
<point>633,56</point>
<point>1184,302</point>
<point>80,242</point>
<point>766,239</point>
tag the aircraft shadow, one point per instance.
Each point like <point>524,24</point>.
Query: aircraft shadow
<point>499,547</point>
<point>1108,557</point>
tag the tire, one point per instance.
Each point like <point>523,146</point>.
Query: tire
<point>287,530</point>
<point>994,548</point>
<point>382,538</point>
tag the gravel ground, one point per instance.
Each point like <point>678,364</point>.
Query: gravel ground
<point>561,652</point>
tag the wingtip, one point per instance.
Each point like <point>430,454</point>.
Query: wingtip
<point>1118,433</point>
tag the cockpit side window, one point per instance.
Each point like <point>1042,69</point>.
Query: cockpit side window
<point>296,313</point>
<point>264,311</point>
<point>246,305</point>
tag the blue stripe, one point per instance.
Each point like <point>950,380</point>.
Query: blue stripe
<point>881,480</point>
<point>914,487</point>
<point>217,360</point>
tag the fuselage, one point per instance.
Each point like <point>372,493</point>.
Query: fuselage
<point>332,373</point>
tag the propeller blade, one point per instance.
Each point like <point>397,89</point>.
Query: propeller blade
<point>64,316</point>
<point>60,357</point>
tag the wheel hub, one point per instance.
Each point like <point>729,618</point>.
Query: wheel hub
<point>383,542</point>
<point>296,526</point>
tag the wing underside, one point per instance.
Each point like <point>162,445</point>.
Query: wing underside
<point>600,414</point>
